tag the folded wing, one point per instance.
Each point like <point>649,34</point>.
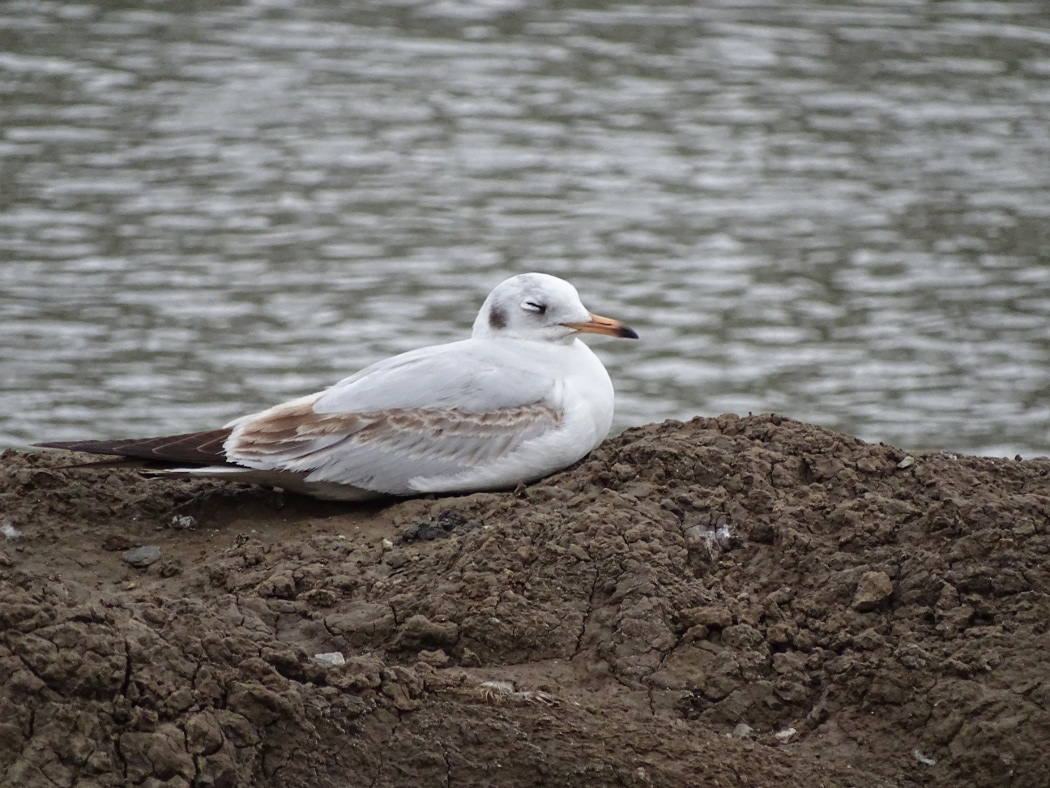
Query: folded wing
<point>414,417</point>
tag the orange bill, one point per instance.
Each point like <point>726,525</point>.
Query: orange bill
<point>604,325</point>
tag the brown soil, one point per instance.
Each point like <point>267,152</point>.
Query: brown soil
<point>628,615</point>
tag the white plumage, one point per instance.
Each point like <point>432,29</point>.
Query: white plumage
<point>521,398</point>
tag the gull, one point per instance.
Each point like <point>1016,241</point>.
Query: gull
<point>520,399</point>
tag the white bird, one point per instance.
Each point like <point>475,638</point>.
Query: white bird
<point>519,400</point>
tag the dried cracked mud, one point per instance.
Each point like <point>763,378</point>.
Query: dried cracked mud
<point>728,602</point>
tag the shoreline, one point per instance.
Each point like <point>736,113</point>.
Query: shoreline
<point>749,599</point>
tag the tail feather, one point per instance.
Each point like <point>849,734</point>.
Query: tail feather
<point>199,448</point>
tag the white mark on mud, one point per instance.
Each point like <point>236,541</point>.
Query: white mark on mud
<point>923,759</point>
<point>502,687</point>
<point>330,659</point>
<point>785,735</point>
<point>500,691</point>
<point>184,522</point>
<point>719,535</point>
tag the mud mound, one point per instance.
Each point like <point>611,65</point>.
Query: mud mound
<point>733,601</point>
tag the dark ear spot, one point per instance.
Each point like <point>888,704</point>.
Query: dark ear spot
<point>497,318</point>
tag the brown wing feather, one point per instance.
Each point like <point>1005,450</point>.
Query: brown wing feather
<point>198,448</point>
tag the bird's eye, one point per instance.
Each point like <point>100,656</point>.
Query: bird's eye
<point>534,306</point>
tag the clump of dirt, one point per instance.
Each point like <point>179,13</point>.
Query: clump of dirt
<point>733,601</point>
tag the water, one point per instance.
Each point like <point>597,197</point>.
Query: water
<point>835,211</point>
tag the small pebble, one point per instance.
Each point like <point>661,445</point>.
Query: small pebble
<point>742,731</point>
<point>435,659</point>
<point>906,462</point>
<point>872,589</point>
<point>141,557</point>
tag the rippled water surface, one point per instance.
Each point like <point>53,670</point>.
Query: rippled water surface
<point>835,211</point>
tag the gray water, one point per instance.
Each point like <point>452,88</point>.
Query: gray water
<point>835,211</point>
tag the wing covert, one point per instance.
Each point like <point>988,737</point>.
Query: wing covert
<point>384,450</point>
<point>470,376</point>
